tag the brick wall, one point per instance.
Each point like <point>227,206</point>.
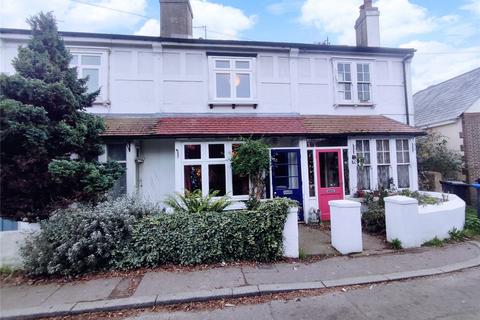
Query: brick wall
<point>471,142</point>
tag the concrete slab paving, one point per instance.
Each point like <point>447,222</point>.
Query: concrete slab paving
<point>37,312</point>
<point>84,291</point>
<point>163,283</point>
<point>25,296</point>
<point>115,304</point>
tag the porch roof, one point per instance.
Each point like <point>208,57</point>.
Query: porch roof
<point>203,126</point>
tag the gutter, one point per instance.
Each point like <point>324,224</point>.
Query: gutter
<point>405,89</point>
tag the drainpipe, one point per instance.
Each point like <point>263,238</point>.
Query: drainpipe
<point>405,90</point>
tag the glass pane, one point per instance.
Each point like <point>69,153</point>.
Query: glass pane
<point>403,176</point>
<point>311,174</point>
<point>74,60</point>
<point>116,152</point>
<point>242,64</point>
<point>120,186</point>
<point>406,157</point>
<point>216,151</point>
<point>242,82</point>
<point>399,145</point>
<point>91,60</point>
<point>193,151</point>
<point>192,177</point>
<point>383,176</point>
<point>346,173</point>
<point>293,182</point>
<point>380,157</point>
<point>328,165</point>
<point>400,157</point>
<point>92,82</point>
<point>366,145</point>
<point>363,178</point>
<point>405,144</point>
<point>222,64</point>
<point>223,85</point>
<point>216,178</point>
<point>240,185</point>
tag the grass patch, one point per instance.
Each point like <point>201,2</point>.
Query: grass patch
<point>6,270</point>
<point>435,242</point>
<point>302,255</point>
<point>396,244</point>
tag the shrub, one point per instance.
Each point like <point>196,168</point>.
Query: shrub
<point>422,198</point>
<point>209,237</point>
<point>373,220</point>
<point>396,244</point>
<point>195,202</point>
<point>472,223</point>
<point>435,242</point>
<point>84,239</point>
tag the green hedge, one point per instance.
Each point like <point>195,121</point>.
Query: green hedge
<point>128,233</point>
<point>189,239</point>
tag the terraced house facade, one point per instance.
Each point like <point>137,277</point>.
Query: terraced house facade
<point>338,118</point>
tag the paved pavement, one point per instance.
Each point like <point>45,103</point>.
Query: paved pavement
<point>453,296</point>
<point>173,287</point>
<point>315,241</point>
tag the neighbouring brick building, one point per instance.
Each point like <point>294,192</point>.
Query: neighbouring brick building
<point>452,108</point>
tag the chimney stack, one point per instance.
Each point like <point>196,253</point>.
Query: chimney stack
<point>367,26</point>
<point>175,19</point>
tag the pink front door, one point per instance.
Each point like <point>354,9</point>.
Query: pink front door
<point>329,179</point>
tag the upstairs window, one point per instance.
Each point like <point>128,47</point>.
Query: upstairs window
<point>88,65</point>
<point>353,83</point>
<point>232,78</point>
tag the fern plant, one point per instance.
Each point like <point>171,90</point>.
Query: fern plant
<point>195,202</point>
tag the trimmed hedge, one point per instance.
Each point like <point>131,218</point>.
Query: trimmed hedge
<point>199,238</point>
<point>129,233</point>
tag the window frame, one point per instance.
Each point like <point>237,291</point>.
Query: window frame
<point>403,163</point>
<point>375,163</point>
<point>232,71</point>
<point>103,97</point>
<point>205,161</point>
<point>354,83</point>
<point>125,162</point>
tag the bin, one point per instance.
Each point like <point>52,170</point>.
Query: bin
<point>477,186</point>
<point>458,188</point>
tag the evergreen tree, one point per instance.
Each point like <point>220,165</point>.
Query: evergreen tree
<point>49,144</point>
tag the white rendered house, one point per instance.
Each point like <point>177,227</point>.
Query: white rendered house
<point>337,118</point>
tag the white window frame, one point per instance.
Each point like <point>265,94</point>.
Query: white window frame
<point>354,82</point>
<point>232,71</point>
<point>103,97</point>
<point>383,152</point>
<point>369,165</point>
<point>374,163</point>
<point>204,162</point>
<point>401,162</point>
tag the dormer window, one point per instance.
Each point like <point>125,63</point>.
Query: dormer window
<point>232,78</point>
<point>353,83</point>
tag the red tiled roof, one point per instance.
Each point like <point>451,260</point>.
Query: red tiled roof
<point>186,126</point>
<point>356,125</point>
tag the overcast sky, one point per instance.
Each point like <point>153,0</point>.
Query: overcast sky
<point>445,33</point>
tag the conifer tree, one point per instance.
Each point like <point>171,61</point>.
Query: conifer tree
<point>49,143</point>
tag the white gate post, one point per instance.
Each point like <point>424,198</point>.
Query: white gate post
<point>290,234</point>
<point>346,226</point>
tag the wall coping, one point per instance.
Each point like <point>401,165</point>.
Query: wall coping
<point>344,204</point>
<point>401,200</point>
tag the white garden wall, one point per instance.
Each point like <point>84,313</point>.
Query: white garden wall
<point>11,241</point>
<point>346,226</point>
<point>414,225</point>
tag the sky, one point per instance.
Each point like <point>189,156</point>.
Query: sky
<point>445,33</point>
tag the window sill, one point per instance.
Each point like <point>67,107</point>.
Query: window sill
<point>234,103</point>
<point>355,105</point>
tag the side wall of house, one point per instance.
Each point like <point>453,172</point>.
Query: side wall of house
<point>471,132</point>
<point>453,132</point>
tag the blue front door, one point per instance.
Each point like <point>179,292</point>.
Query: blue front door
<point>287,176</point>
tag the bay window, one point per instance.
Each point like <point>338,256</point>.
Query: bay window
<point>382,163</point>
<point>403,163</point>
<point>206,167</point>
<point>353,83</point>
<point>232,78</point>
